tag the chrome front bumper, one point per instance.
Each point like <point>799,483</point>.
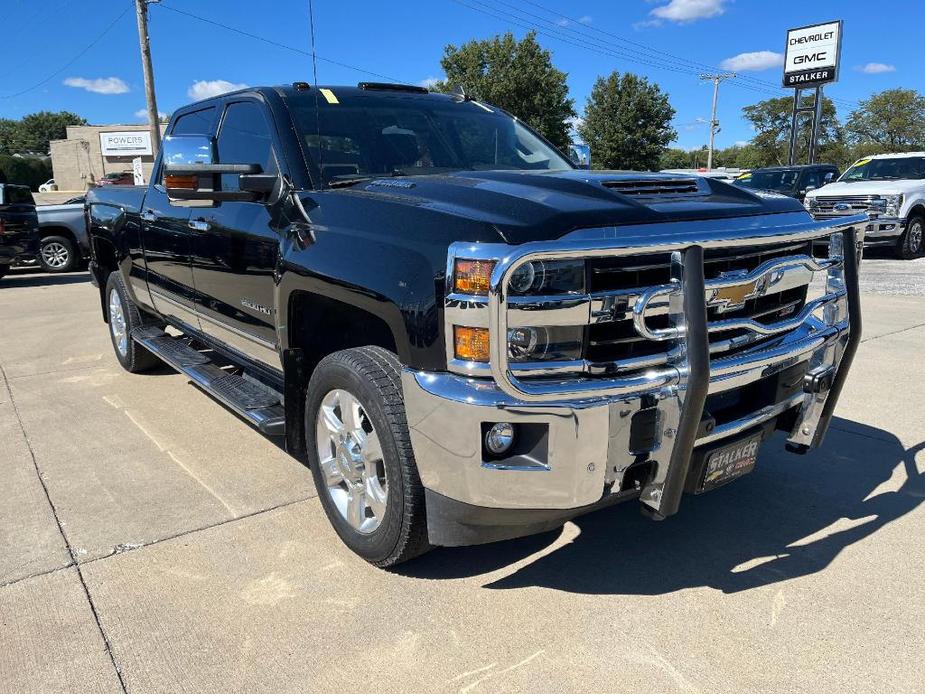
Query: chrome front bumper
<point>588,422</point>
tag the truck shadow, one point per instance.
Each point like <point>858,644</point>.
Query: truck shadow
<point>790,518</point>
<point>29,277</point>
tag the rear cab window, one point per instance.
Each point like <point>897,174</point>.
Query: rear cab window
<point>16,195</point>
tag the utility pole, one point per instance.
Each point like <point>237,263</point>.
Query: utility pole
<point>714,124</point>
<point>141,11</point>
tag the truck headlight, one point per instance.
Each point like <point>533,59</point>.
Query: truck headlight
<point>554,343</point>
<point>893,205</point>
<point>548,277</point>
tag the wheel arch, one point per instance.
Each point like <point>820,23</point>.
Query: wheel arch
<point>315,326</point>
<point>917,210</point>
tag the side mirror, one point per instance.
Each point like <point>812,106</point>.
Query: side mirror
<point>809,188</point>
<point>190,172</point>
<point>580,156</point>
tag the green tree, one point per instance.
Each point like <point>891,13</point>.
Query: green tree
<point>9,129</point>
<point>517,76</point>
<point>674,158</point>
<point>893,119</point>
<point>771,120</point>
<point>33,132</point>
<point>627,123</point>
<point>24,171</point>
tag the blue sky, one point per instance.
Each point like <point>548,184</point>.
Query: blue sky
<point>46,56</point>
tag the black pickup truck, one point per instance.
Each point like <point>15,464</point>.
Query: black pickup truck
<point>467,338</point>
<point>19,226</point>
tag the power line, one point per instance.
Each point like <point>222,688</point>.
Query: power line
<point>655,58</point>
<point>75,58</point>
<point>657,52</point>
<point>271,42</point>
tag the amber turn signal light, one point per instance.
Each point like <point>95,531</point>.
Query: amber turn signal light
<point>181,182</point>
<point>471,344</point>
<point>472,276</point>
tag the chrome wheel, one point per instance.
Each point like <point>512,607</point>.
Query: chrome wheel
<point>55,255</point>
<point>915,236</point>
<point>117,323</point>
<point>350,456</point>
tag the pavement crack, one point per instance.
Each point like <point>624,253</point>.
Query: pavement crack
<point>894,332</point>
<point>37,575</point>
<point>67,544</point>
<point>128,548</point>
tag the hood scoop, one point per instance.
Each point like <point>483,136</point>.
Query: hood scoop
<point>653,187</point>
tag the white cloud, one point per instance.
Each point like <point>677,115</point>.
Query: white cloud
<point>574,123</point>
<point>740,143</point>
<point>753,62</point>
<point>203,89</point>
<point>429,82</point>
<point>586,19</point>
<point>142,114</point>
<point>689,10</point>
<point>875,68</point>
<point>562,22</point>
<point>100,85</point>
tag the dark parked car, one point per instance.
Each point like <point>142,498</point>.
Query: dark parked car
<point>794,181</point>
<point>467,338</point>
<point>19,229</point>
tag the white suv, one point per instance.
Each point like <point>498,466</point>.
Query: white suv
<point>891,187</point>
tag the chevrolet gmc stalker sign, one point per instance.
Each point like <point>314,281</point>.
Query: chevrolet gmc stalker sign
<point>812,55</point>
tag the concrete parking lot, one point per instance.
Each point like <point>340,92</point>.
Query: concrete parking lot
<point>152,542</point>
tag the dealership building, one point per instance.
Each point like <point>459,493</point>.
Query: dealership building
<point>92,151</point>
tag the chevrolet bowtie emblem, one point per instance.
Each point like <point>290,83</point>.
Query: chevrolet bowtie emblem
<point>725,299</point>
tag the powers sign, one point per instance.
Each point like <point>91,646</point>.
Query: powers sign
<point>812,55</point>
<point>130,143</point>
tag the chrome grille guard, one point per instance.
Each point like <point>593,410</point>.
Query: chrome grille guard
<point>688,374</point>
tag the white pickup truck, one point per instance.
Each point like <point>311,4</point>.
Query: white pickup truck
<point>891,188</point>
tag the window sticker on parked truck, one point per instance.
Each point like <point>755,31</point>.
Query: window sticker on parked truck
<point>329,96</point>
<point>862,162</point>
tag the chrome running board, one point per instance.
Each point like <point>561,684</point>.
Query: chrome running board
<point>257,406</point>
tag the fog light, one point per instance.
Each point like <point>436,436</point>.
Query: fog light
<point>500,438</point>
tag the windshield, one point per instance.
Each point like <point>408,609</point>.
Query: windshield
<point>394,135</point>
<point>886,169</point>
<point>780,181</point>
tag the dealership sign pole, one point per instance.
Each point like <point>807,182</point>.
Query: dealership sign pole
<point>811,60</point>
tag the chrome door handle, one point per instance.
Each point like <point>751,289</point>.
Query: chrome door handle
<point>198,225</point>
<point>148,216</point>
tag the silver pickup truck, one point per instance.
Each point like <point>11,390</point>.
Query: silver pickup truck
<point>64,243</point>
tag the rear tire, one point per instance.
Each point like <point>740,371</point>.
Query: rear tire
<point>58,254</point>
<point>910,243</point>
<point>370,492</point>
<point>124,317</point>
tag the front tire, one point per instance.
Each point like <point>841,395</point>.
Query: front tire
<point>58,254</point>
<point>910,243</point>
<point>361,457</point>
<point>124,317</point>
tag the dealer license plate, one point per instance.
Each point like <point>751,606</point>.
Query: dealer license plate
<point>730,462</point>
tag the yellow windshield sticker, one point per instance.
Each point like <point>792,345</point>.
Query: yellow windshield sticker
<point>862,162</point>
<point>329,96</point>
<point>745,175</point>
